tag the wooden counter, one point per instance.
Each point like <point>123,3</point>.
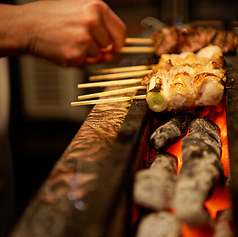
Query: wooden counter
<point>88,182</point>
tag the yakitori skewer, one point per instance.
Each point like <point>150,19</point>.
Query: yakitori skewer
<point>109,83</point>
<point>122,69</point>
<point>137,49</point>
<point>120,75</point>
<point>102,101</point>
<point>139,41</point>
<point>111,92</point>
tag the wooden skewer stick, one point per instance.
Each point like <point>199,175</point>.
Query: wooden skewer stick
<point>123,69</point>
<point>139,41</point>
<point>110,83</point>
<point>119,75</point>
<point>102,101</point>
<point>112,92</point>
<point>137,50</point>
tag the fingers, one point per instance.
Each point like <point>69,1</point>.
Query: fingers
<point>101,57</point>
<point>93,49</point>
<point>79,31</point>
<point>115,27</point>
<point>106,27</point>
<point>100,35</point>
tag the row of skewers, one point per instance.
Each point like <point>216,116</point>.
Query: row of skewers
<point>133,76</point>
<point>177,82</point>
<point>118,76</point>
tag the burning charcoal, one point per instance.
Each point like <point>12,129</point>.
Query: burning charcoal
<point>159,225</point>
<point>170,132</point>
<point>201,172</point>
<point>203,134</point>
<point>223,226</point>
<point>153,187</point>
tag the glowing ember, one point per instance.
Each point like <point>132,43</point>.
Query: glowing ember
<point>177,151</point>
<point>220,199</point>
<point>205,231</point>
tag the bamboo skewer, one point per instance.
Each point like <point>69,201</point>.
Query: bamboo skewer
<point>102,101</point>
<point>112,92</point>
<point>109,83</point>
<point>123,69</point>
<point>136,49</point>
<point>119,75</point>
<point>139,41</point>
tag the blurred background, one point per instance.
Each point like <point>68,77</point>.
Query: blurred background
<point>42,121</point>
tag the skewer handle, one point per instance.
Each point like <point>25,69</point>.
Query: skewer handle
<point>109,83</point>
<point>137,50</point>
<point>123,69</point>
<point>102,101</point>
<point>120,75</point>
<point>112,92</point>
<point>139,41</point>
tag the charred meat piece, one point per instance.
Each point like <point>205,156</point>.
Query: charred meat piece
<point>154,187</point>
<point>166,40</point>
<point>201,172</point>
<point>227,40</point>
<point>170,132</point>
<point>192,38</point>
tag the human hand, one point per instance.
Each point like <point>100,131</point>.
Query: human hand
<point>66,32</point>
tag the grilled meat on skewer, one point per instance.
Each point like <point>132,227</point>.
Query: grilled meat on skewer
<point>191,39</point>
<point>186,80</point>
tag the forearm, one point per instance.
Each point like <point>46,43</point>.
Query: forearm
<point>13,30</point>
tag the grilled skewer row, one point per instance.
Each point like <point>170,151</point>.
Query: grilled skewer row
<point>186,80</point>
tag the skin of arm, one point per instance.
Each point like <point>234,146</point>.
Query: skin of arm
<point>65,32</point>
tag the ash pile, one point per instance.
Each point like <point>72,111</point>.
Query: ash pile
<point>168,198</point>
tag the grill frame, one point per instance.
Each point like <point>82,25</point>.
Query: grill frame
<point>231,94</point>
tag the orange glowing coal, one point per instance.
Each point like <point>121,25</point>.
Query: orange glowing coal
<point>220,199</point>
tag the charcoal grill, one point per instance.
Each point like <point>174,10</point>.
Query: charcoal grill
<point>89,191</point>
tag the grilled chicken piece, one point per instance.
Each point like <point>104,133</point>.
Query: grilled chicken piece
<point>186,80</point>
<point>208,89</point>
<point>180,93</point>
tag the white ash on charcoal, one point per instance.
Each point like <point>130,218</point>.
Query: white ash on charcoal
<point>154,187</point>
<point>201,172</point>
<point>170,132</point>
<point>202,132</point>
<point>223,227</point>
<point>159,224</point>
